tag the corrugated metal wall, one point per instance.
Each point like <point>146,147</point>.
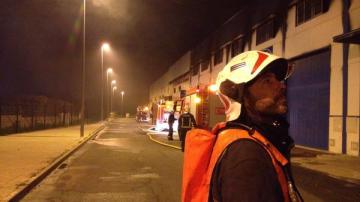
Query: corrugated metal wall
<point>308,98</point>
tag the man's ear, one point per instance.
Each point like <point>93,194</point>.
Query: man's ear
<point>232,90</point>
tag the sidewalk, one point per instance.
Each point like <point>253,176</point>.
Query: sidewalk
<point>340,166</point>
<point>23,156</point>
<point>343,167</point>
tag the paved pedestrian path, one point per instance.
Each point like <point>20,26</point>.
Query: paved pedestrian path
<point>339,166</point>
<point>23,156</point>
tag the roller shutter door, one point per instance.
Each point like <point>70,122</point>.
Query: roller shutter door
<point>308,100</point>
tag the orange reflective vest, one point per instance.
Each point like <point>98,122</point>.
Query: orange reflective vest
<point>202,152</point>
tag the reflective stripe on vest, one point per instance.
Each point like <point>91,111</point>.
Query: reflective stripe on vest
<point>228,136</point>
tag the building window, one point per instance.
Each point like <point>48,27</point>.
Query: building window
<point>205,65</point>
<point>265,32</point>
<point>268,49</point>
<point>237,47</point>
<point>308,9</point>
<point>218,57</point>
<point>195,69</point>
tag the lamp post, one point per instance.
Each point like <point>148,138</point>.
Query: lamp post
<point>104,47</point>
<point>113,83</point>
<point>107,94</point>
<point>82,108</point>
<point>122,102</point>
<point>112,95</point>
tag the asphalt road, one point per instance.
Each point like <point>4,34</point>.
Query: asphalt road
<point>122,164</point>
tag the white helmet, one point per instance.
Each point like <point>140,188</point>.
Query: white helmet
<point>242,69</point>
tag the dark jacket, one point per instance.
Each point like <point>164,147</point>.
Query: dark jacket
<point>245,172</point>
<point>186,121</point>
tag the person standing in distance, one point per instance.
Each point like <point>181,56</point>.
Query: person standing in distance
<point>171,121</point>
<point>186,123</point>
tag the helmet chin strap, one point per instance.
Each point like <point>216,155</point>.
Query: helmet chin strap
<point>232,107</point>
<point>234,111</point>
<point>231,95</point>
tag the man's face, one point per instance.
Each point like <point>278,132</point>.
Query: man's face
<point>267,95</point>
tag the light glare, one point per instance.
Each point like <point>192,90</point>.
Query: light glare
<point>197,100</point>
<point>105,47</point>
<point>213,88</point>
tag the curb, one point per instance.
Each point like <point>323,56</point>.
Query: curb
<point>45,172</point>
<point>322,151</point>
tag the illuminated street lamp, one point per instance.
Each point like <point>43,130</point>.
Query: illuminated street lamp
<point>104,47</point>
<point>109,70</point>
<point>107,94</point>
<point>113,83</point>
<point>112,95</point>
<point>122,102</point>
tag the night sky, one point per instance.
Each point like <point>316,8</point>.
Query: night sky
<point>41,44</point>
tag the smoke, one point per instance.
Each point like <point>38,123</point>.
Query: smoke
<point>116,9</point>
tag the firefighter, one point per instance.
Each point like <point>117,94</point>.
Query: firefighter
<point>252,89</point>
<point>171,121</point>
<point>186,123</point>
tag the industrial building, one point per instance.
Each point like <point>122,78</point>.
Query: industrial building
<point>320,38</point>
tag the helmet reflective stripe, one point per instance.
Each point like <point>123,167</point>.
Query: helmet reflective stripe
<point>246,66</point>
<point>242,69</point>
<point>260,59</point>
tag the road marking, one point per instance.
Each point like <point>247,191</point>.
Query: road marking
<point>145,175</point>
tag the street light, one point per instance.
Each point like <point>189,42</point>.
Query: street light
<point>122,102</point>
<point>82,108</point>
<point>104,47</point>
<point>109,70</point>
<point>107,94</point>
<point>113,83</point>
<point>112,95</point>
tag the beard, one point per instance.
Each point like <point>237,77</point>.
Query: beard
<point>270,106</point>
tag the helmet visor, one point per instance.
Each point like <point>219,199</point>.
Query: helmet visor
<point>280,68</point>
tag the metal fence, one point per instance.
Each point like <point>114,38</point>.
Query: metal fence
<point>15,118</point>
